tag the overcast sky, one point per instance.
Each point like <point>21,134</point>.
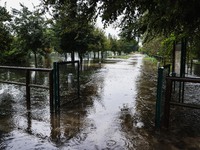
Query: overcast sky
<point>30,3</point>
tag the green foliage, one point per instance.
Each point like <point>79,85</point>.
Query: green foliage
<point>128,46</point>
<point>97,41</point>
<point>30,28</point>
<point>146,17</point>
<point>73,27</point>
<point>153,47</point>
<point>5,36</point>
<point>122,45</point>
<point>194,46</point>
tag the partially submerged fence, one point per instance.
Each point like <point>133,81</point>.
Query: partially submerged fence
<point>54,81</point>
<point>176,101</point>
<point>28,85</point>
<point>171,90</point>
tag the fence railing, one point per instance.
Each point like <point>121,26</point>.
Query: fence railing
<point>28,85</point>
<point>54,82</point>
<point>168,96</point>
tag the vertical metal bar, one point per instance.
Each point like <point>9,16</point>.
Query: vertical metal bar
<point>55,85</point>
<point>28,102</point>
<point>180,91</point>
<point>167,102</point>
<point>159,98</point>
<point>29,122</point>
<point>191,66</point>
<point>78,80</point>
<point>51,90</point>
<point>183,91</point>
<point>183,57</point>
<point>173,57</point>
<point>58,87</point>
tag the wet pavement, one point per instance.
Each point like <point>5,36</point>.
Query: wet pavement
<point>116,111</point>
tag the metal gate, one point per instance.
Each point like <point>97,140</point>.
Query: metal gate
<point>66,80</point>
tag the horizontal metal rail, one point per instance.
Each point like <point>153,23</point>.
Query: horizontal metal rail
<point>38,86</point>
<point>24,84</point>
<point>67,62</point>
<point>12,82</point>
<point>26,68</point>
<point>185,105</point>
<point>180,79</point>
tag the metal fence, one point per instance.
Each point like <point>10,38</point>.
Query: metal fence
<point>28,84</point>
<point>63,82</point>
<point>184,102</point>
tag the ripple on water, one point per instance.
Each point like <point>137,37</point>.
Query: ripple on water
<point>22,141</point>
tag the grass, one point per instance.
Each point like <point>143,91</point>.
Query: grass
<point>151,59</point>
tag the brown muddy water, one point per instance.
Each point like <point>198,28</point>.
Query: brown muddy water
<point>116,111</point>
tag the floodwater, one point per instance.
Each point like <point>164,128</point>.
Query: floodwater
<point>116,111</point>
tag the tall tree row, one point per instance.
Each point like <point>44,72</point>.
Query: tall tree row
<point>68,29</point>
<point>150,20</point>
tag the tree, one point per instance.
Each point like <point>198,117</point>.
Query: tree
<point>149,18</point>
<point>5,36</point>
<point>127,46</point>
<point>73,26</point>
<point>29,29</point>
<point>97,42</point>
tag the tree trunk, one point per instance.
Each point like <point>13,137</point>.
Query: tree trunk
<point>35,54</point>
<point>81,60</point>
<point>94,55</point>
<point>98,55</point>
<point>65,54</point>
<point>72,56</point>
<point>101,54</point>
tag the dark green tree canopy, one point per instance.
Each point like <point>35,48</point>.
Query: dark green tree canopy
<point>5,37</point>
<point>147,17</point>
<point>28,27</point>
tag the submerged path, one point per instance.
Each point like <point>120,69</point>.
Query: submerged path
<point>113,106</point>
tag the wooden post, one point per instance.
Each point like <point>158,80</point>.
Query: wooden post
<point>28,102</point>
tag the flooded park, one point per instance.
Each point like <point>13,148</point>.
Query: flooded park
<point>115,111</point>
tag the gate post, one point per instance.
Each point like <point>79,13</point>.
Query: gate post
<point>56,86</point>
<point>167,101</point>
<point>159,97</point>
<point>28,99</point>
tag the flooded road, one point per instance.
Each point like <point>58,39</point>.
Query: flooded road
<point>116,111</point>
<point>115,101</point>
